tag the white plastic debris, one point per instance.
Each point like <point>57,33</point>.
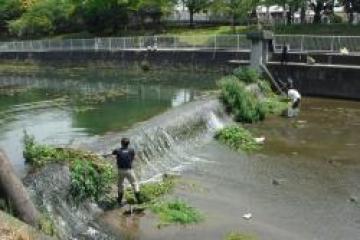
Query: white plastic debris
<point>247,216</point>
<point>260,140</point>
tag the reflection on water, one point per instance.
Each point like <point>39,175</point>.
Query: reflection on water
<point>61,110</point>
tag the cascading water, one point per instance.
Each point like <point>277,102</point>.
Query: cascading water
<point>161,142</point>
<point>161,145</point>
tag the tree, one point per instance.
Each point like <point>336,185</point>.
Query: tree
<point>153,9</point>
<point>350,7</point>
<point>9,10</point>
<point>195,6</point>
<point>42,18</point>
<point>236,9</point>
<point>102,16</point>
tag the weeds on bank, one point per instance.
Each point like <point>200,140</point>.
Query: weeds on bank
<point>91,175</point>
<point>242,103</point>
<point>152,191</point>
<point>239,236</point>
<point>176,211</point>
<point>237,138</point>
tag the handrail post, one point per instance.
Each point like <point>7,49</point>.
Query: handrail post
<point>215,43</point>
<point>238,42</point>
<point>332,44</point>
<point>302,43</point>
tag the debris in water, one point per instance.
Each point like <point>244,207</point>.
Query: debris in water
<point>353,199</point>
<point>301,121</point>
<point>247,216</point>
<point>260,140</point>
<point>275,182</point>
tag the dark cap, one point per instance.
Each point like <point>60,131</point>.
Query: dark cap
<point>125,142</point>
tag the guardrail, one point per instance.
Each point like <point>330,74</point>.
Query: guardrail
<point>211,42</point>
<point>296,43</point>
<point>317,43</point>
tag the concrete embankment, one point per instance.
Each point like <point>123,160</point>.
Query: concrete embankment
<point>198,60</point>
<point>333,75</point>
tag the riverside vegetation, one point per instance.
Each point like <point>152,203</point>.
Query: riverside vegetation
<point>249,98</point>
<point>93,178</point>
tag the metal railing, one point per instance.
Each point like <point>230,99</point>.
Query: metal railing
<point>296,43</point>
<point>201,42</point>
<point>317,43</point>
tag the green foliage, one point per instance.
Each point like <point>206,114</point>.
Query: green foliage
<point>237,138</point>
<point>42,18</point>
<point>243,104</point>
<point>176,212</point>
<point>246,74</point>
<point>89,180</point>
<point>239,236</point>
<point>91,175</point>
<point>9,10</point>
<point>46,225</point>
<point>275,105</point>
<point>336,19</point>
<point>151,191</point>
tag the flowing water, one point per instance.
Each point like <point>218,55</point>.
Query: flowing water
<point>303,184</point>
<point>66,106</point>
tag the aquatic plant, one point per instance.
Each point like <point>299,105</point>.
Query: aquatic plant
<point>243,104</point>
<point>237,138</point>
<point>91,175</point>
<point>239,236</point>
<point>246,74</point>
<point>176,211</point>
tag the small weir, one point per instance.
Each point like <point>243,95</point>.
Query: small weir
<point>161,142</point>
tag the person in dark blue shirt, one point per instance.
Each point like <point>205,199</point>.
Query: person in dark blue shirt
<point>124,159</point>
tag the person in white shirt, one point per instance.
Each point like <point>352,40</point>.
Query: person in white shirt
<point>295,99</point>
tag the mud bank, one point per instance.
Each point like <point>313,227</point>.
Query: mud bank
<point>302,185</point>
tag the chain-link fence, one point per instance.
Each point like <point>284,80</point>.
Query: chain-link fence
<point>195,42</point>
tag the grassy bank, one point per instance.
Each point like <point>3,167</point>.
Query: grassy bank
<point>249,99</point>
<point>318,29</point>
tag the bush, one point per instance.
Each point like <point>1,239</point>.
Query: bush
<point>91,175</point>
<point>176,212</point>
<point>246,75</point>
<point>237,138</point>
<point>244,105</point>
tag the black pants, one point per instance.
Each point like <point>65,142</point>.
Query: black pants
<point>296,104</point>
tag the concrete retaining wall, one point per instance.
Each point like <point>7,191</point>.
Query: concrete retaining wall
<point>325,81</point>
<point>210,60</point>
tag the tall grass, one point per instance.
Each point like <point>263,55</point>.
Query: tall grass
<point>176,211</point>
<point>237,138</point>
<point>243,104</point>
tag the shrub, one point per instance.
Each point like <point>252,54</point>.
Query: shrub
<point>246,75</point>
<point>91,175</point>
<point>237,138</point>
<point>244,105</point>
<point>176,212</point>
